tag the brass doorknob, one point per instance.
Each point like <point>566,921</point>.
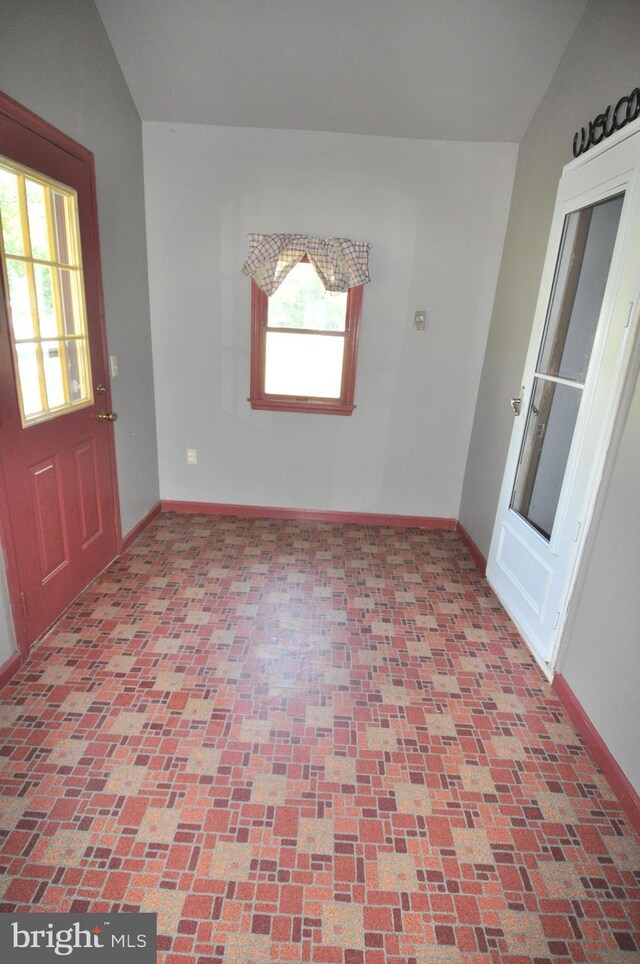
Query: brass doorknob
<point>107,416</point>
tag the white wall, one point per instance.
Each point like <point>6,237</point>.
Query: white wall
<point>57,61</point>
<point>435,214</point>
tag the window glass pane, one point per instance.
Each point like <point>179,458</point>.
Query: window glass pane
<point>304,365</point>
<point>581,277</point>
<point>53,373</point>
<point>76,370</point>
<point>48,327</point>
<point>302,302</point>
<point>545,449</point>
<point>38,220</point>
<point>68,281</point>
<point>29,379</point>
<point>21,316</point>
<point>10,212</point>
<point>46,304</point>
<point>60,223</point>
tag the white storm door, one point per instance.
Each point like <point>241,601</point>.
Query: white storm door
<point>580,345</point>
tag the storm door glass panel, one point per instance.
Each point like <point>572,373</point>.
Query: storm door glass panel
<point>581,275</point>
<point>548,435</point>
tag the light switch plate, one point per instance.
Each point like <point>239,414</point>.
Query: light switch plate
<point>419,321</point>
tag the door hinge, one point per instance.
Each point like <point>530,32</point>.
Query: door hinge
<point>577,535</point>
<point>23,606</point>
<point>555,625</point>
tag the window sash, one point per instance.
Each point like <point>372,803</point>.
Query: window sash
<point>259,399</point>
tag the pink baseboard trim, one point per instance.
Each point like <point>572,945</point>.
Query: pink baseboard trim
<point>273,512</point>
<point>475,552</point>
<point>9,669</point>
<point>619,783</point>
<point>141,526</point>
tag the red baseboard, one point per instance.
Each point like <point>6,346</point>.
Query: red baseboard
<point>619,783</point>
<point>475,552</point>
<point>141,526</point>
<point>9,669</point>
<point>274,512</point>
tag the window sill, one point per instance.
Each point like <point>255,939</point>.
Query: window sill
<point>314,406</point>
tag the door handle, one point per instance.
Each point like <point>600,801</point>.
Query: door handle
<point>107,416</point>
<point>516,403</point>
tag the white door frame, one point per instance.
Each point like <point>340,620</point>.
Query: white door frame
<point>623,272</point>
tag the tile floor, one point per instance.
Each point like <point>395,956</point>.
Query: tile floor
<point>309,742</point>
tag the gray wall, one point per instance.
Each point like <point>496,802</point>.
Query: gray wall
<point>56,59</point>
<point>426,207</point>
<point>599,656</point>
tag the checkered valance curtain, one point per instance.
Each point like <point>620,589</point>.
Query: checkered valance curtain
<point>339,262</point>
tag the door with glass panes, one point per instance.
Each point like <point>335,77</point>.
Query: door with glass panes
<point>564,414</point>
<point>57,493</point>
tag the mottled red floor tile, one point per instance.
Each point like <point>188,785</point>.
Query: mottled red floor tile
<point>303,742</point>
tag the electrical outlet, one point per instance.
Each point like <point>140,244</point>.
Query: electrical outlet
<point>192,456</point>
<point>419,321</point>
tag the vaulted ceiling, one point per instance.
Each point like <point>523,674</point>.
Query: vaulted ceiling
<point>438,69</point>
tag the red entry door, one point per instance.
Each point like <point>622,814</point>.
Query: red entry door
<point>60,523</point>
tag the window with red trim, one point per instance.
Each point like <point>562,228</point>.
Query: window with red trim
<point>304,344</point>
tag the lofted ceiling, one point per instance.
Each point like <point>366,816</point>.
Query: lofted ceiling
<point>471,70</point>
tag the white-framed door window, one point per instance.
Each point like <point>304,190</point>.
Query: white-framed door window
<point>581,338</point>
